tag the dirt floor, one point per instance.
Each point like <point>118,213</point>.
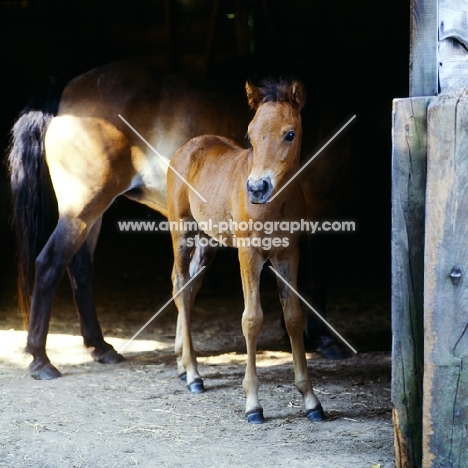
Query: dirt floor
<point>139,414</point>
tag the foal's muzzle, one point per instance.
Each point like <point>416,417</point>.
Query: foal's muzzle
<point>259,190</point>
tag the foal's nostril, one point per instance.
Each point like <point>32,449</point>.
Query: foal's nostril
<point>260,185</point>
<point>259,190</point>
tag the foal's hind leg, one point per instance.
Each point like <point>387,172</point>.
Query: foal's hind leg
<point>286,263</point>
<point>64,242</point>
<point>80,272</point>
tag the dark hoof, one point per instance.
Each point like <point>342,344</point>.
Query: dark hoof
<point>330,349</point>
<point>45,372</point>
<point>255,417</point>
<point>183,377</point>
<point>316,415</point>
<point>196,386</point>
<point>107,357</point>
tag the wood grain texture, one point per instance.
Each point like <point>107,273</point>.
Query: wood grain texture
<point>453,44</point>
<point>408,211</point>
<point>423,48</point>
<point>445,402</point>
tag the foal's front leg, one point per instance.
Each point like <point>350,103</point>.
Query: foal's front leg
<point>251,264</point>
<point>286,264</point>
<point>186,267</point>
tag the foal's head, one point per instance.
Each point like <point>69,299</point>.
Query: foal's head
<point>275,134</point>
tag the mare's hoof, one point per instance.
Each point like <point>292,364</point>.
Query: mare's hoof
<point>45,372</point>
<point>196,386</point>
<point>183,377</point>
<point>107,357</point>
<point>316,415</point>
<point>255,417</point>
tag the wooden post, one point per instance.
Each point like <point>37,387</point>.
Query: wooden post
<point>408,210</point>
<point>438,61</point>
<point>423,48</point>
<point>453,44</point>
<point>445,407</point>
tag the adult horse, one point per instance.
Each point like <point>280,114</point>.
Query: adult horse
<point>243,187</point>
<point>75,136</point>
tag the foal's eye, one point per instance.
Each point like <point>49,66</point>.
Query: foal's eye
<point>289,136</point>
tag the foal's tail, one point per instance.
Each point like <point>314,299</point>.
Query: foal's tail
<point>31,187</point>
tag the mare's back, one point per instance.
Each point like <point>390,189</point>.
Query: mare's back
<point>165,109</point>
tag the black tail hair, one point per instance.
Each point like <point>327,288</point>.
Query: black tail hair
<point>31,187</point>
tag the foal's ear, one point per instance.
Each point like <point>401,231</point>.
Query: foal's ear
<point>253,96</point>
<point>297,94</point>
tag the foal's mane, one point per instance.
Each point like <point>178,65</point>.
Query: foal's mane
<point>282,89</point>
<point>275,90</point>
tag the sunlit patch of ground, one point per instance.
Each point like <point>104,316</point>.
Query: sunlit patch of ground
<point>66,349</point>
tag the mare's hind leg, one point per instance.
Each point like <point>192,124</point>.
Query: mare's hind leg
<point>286,263</point>
<point>185,268</point>
<point>62,245</point>
<point>80,273</point>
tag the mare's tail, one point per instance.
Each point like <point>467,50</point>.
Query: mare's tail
<point>31,187</point>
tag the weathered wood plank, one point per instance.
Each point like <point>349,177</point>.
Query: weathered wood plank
<point>453,44</point>
<point>445,401</point>
<point>408,211</point>
<point>423,48</point>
